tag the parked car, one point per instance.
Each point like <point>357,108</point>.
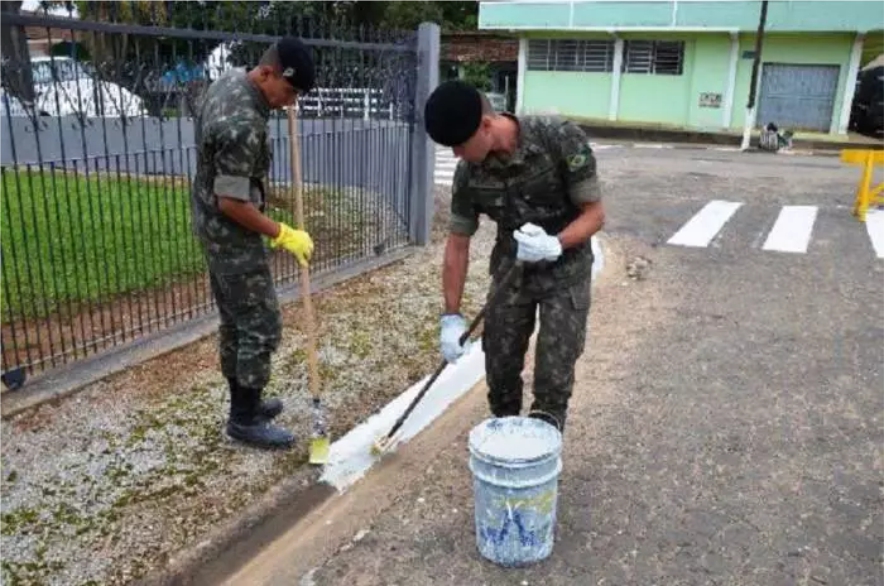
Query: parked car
<point>867,112</point>
<point>65,87</point>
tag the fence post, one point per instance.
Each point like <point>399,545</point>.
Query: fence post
<point>423,157</point>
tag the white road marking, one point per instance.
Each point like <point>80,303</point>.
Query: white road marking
<point>705,224</point>
<point>446,163</point>
<point>792,230</point>
<point>875,228</point>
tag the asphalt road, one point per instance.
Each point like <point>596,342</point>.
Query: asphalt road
<point>726,425</point>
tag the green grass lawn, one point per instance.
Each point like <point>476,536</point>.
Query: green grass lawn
<point>68,238</point>
<point>65,237</point>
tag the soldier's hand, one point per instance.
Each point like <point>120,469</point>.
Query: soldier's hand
<point>453,327</point>
<point>535,245</point>
<point>298,242</point>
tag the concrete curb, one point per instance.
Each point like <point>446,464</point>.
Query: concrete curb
<point>218,555</point>
<point>666,135</point>
<point>68,380</point>
<point>715,147</point>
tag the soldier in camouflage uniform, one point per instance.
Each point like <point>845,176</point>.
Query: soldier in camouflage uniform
<point>536,178</point>
<point>228,201</point>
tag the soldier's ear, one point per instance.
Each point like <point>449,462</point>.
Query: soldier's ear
<point>264,72</point>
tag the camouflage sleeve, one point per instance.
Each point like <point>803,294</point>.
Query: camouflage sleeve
<point>580,164</point>
<point>464,216</point>
<point>236,149</point>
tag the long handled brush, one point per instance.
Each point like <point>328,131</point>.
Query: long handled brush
<point>383,444</point>
<point>319,442</point>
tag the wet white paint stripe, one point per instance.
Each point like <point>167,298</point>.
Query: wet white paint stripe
<point>875,228</point>
<point>792,230</point>
<point>350,456</point>
<point>705,224</point>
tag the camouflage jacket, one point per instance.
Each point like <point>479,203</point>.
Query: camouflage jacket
<point>233,159</point>
<point>551,173</point>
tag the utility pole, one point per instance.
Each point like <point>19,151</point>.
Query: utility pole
<point>749,119</point>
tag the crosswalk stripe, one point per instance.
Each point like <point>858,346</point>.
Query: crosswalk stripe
<point>446,163</point>
<point>705,224</point>
<point>792,230</point>
<point>875,228</point>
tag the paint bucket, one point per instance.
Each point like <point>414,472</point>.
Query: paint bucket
<point>515,463</point>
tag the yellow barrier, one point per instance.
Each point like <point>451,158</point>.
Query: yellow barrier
<point>866,194</point>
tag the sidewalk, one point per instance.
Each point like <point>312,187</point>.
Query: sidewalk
<point>810,141</point>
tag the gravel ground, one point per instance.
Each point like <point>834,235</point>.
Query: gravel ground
<point>114,480</point>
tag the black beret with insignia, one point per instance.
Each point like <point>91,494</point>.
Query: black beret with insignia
<point>296,63</point>
<point>453,112</point>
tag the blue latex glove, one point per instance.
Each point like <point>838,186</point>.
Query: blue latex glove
<point>453,327</point>
<point>535,245</point>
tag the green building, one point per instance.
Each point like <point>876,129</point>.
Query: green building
<point>688,63</point>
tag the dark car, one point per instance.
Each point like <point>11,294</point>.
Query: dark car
<point>867,113</point>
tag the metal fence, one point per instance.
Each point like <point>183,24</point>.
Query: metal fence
<point>98,155</point>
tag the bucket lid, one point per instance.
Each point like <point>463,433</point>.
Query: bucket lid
<point>515,439</point>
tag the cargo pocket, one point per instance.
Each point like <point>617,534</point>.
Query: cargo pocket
<point>581,295</point>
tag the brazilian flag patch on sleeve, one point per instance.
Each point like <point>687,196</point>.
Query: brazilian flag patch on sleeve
<point>579,159</point>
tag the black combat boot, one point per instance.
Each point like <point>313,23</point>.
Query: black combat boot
<point>268,408</point>
<point>247,424</point>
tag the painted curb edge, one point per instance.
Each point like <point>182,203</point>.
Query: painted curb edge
<point>349,460</point>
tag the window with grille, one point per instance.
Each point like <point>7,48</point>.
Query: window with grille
<point>655,57</point>
<point>570,55</point>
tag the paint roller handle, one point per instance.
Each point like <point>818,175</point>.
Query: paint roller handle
<point>497,293</point>
<point>517,267</point>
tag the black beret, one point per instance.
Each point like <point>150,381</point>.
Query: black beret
<point>453,112</point>
<point>296,63</point>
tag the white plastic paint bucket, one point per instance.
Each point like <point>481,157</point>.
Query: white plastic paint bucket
<point>515,463</point>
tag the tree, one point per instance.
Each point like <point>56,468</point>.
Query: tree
<point>18,78</point>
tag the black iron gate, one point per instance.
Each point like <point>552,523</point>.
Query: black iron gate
<point>97,157</point>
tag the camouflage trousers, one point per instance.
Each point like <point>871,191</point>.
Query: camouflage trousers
<point>560,342</point>
<point>251,325</point>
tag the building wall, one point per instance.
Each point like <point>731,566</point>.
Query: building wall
<point>711,66</point>
<point>647,97</point>
<point>807,49</point>
<point>482,46</point>
<point>873,46</point>
<point>567,92</point>
<point>676,99</point>
<point>737,15</point>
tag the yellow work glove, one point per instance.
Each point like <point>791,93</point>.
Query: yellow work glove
<point>298,242</point>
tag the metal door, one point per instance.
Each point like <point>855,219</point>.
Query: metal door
<point>797,97</point>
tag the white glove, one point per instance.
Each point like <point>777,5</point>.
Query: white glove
<point>534,244</point>
<point>453,327</point>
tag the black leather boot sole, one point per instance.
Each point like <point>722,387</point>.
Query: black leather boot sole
<point>261,434</point>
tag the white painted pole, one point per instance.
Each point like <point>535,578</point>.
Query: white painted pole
<point>614,106</point>
<point>748,123</point>
<point>733,60</point>
<point>520,75</point>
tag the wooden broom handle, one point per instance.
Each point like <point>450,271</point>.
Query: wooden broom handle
<point>312,358</point>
